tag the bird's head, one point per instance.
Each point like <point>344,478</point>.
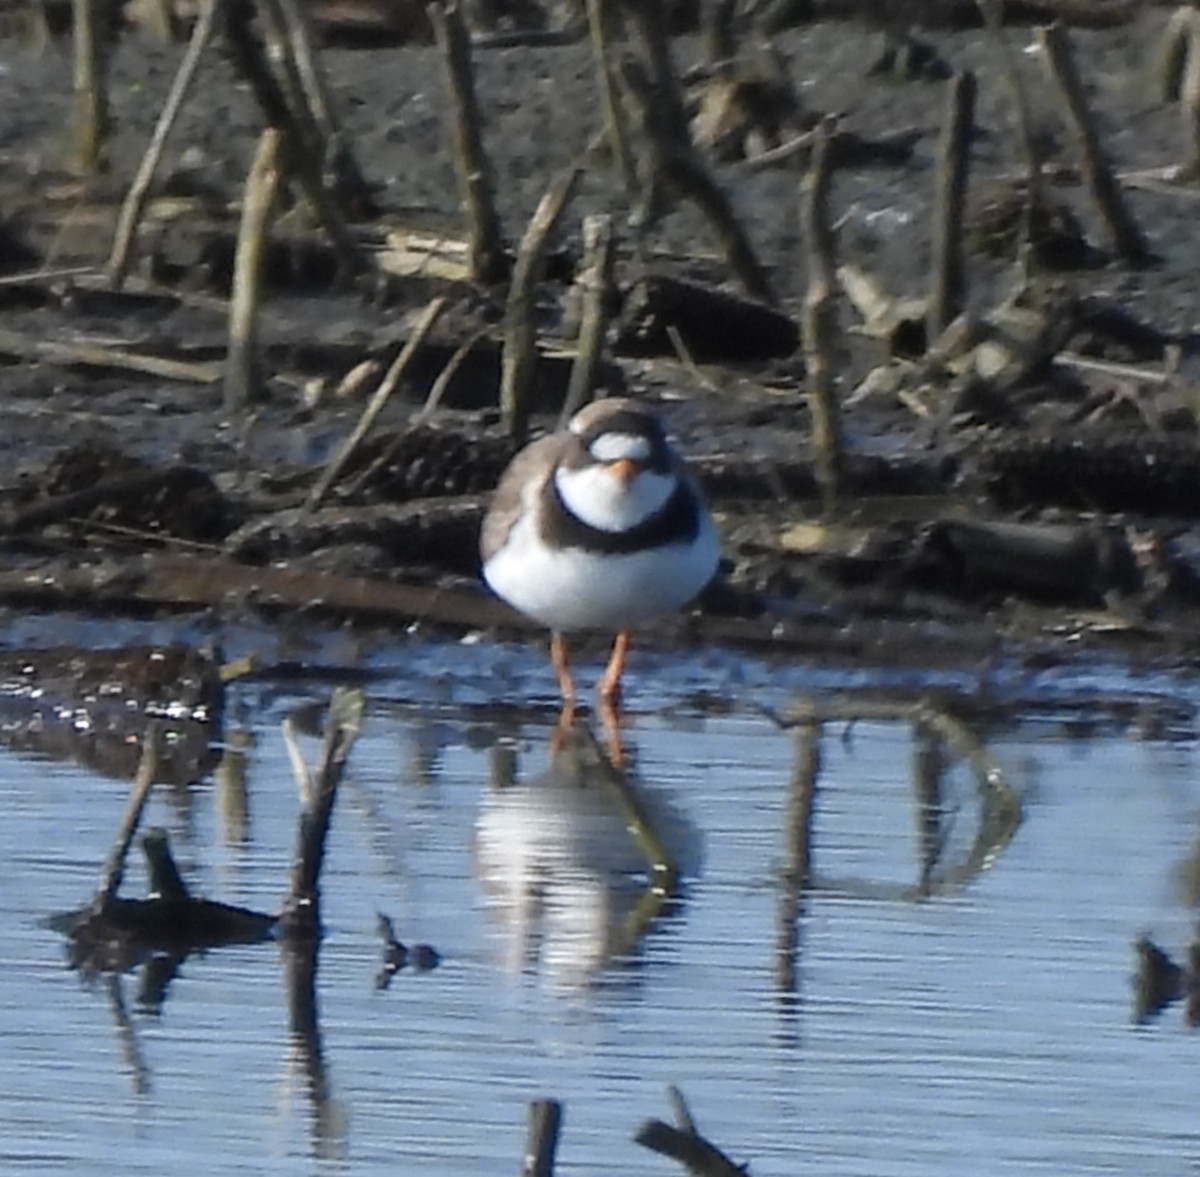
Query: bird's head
<point>619,469</point>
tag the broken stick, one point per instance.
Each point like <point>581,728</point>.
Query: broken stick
<point>262,186</point>
<point>820,319</point>
<point>114,867</point>
<point>947,290</point>
<point>519,362</point>
<point>1106,192</point>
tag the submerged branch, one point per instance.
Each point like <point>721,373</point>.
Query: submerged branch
<point>301,916</point>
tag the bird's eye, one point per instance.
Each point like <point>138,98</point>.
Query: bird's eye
<point>615,447</point>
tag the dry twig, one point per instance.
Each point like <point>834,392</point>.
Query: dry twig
<point>114,867</point>
<point>487,257</point>
<point>519,363</point>
<point>1179,80</point>
<point>262,187</point>
<point>673,158</point>
<point>600,33</point>
<point>283,101</point>
<point>948,283</point>
<point>135,200</point>
<point>993,18</point>
<point>89,18</point>
<point>301,912</point>
<point>377,402</point>
<point>1106,192</point>
<point>596,282</point>
<point>820,322</point>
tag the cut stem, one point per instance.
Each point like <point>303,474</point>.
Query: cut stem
<point>947,293</point>
<point>262,186</point>
<point>1097,170</point>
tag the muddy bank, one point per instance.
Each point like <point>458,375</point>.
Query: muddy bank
<point>1035,478</point>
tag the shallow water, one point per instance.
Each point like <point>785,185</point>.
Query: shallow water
<point>984,1028</point>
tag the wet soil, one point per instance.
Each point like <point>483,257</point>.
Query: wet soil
<point>982,509</point>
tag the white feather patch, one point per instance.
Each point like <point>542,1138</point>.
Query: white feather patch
<point>598,497</point>
<point>612,447</point>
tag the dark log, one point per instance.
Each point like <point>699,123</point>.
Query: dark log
<point>544,1121</point>
<point>1061,562</point>
<point>713,324</point>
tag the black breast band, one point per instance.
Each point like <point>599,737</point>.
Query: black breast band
<point>677,522</point>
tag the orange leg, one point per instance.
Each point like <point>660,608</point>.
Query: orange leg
<point>562,667</point>
<point>566,685</point>
<point>562,729</point>
<point>610,716</point>
<point>610,684</point>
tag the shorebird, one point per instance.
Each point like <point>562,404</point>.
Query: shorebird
<point>598,526</point>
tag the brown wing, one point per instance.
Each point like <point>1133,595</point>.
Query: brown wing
<point>532,465</point>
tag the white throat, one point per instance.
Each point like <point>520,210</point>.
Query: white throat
<point>597,497</point>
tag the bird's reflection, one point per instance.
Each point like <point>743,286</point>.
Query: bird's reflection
<point>580,861</point>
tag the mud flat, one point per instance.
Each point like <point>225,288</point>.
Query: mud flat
<point>1030,473</point>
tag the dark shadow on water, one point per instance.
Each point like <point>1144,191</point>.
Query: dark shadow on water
<point>307,1051</point>
<point>947,858</point>
<point>157,934</point>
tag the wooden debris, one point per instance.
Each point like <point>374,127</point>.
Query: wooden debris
<point>947,287</point>
<point>820,325</point>
<point>182,582</point>
<point>1034,180</point>
<point>438,389</point>
<point>1179,80</point>
<point>113,934</point>
<point>683,1143</point>
<point>416,253</point>
<point>1098,471</point>
<point>957,14</point>
<point>241,363</point>
<point>290,22</point>
<point>713,323</point>
<point>672,159</point>
<point>99,355</point>
<point>396,956</point>
<point>898,321</point>
<point>601,19</point>
<point>519,364</point>
<point>543,1124</point>
<point>1106,192</point>
<point>301,916</point>
<point>1159,982</point>
<point>92,117</point>
<point>92,488</point>
<point>488,262</point>
<point>796,875</point>
<point>139,190</point>
<point>595,285</point>
<point>743,108</point>
<point>376,404</point>
<point>114,867</point>
<point>1063,562</point>
<point>275,82</point>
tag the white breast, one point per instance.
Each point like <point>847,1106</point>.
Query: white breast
<point>573,588</point>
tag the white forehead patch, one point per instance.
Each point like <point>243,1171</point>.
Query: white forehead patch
<point>612,447</point>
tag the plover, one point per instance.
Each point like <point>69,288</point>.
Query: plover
<point>598,526</point>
